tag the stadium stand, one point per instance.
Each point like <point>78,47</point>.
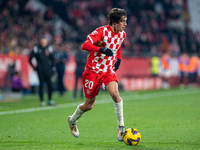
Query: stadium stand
<point>154,26</point>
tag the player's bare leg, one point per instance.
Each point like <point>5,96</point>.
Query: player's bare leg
<point>80,110</point>
<point>112,88</point>
<point>88,104</point>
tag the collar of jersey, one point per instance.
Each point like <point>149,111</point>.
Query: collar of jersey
<point>109,27</point>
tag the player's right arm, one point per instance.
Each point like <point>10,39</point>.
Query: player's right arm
<point>91,44</point>
<point>87,45</point>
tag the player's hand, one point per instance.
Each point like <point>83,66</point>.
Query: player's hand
<point>106,51</point>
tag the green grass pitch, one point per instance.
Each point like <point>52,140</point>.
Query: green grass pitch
<point>166,119</point>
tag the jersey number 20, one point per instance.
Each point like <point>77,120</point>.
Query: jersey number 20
<point>88,84</point>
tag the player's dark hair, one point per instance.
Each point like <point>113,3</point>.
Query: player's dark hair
<point>115,15</point>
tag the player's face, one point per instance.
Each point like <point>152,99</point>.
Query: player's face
<point>121,25</point>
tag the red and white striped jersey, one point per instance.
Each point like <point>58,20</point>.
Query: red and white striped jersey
<point>104,37</point>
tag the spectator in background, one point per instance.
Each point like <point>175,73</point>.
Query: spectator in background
<point>17,84</point>
<point>193,69</point>
<point>166,70</point>
<point>81,59</point>
<point>61,58</point>
<point>43,53</point>
<point>10,73</point>
<point>183,62</point>
<point>155,65</point>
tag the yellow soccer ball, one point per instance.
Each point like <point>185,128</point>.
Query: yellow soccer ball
<point>132,136</point>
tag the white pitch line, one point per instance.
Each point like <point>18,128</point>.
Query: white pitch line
<point>108,100</point>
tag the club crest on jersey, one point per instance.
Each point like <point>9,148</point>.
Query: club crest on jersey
<point>94,32</point>
<point>88,92</point>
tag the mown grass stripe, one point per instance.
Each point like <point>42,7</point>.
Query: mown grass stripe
<point>137,96</point>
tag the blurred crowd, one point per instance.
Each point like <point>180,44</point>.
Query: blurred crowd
<point>154,26</point>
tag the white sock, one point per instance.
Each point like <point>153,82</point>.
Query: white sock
<point>77,114</point>
<point>119,113</point>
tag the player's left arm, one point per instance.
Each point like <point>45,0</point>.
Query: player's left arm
<point>117,63</point>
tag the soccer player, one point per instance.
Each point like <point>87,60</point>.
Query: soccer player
<point>104,45</point>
